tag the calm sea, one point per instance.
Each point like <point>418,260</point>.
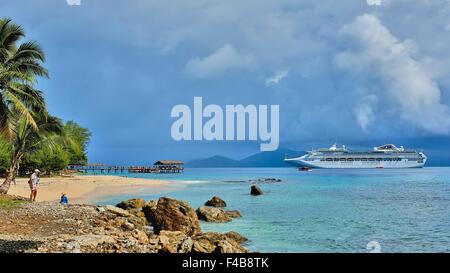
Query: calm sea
<point>403,210</point>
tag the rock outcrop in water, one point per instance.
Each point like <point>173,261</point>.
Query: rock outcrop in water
<point>212,211</point>
<point>265,180</point>
<point>255,190</point>
<point>216,201</point>
<point>175,215</point>
<point>211,214</point>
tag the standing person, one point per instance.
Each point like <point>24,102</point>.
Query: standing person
<point>33,182</point>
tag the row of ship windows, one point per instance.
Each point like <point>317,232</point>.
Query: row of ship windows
<point>366,159</point>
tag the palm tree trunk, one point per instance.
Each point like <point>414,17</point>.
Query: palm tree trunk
<point>10,174</point>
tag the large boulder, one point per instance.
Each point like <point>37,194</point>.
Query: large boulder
<point>216,201</point>
<point>211,214</point>
<point>255,190</point>
<point>214,242</point>
<point>135,203</point>
<point>174,215</point>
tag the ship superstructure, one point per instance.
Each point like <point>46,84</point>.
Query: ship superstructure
<point>385,156</point>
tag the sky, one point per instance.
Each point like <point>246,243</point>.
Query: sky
<point>356,72</point>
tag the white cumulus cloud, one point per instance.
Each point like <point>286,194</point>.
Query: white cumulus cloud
<point>224,59</point>
<point>413,93</point>
<point>279,76</point>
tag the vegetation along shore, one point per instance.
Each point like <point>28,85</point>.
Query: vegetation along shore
<point>30,136</point>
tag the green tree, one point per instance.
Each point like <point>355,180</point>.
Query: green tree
<point>28,140</point>
<point>75,140</point>
<point>69,147</point>
<point>47,160</point>
<point>20,65</point>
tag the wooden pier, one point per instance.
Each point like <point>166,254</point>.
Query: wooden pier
<point>161,166</point>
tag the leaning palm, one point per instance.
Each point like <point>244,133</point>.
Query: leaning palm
<point>27,139</point>
<point>20,65</point>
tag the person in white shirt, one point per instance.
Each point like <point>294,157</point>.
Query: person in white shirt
<point>33,182</point>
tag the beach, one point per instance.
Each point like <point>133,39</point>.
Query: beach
<point>86,188</point>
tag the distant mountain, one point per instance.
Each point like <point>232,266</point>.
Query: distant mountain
<point>216,161</point>
<point>263,159</point>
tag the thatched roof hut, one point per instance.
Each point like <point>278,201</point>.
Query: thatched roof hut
<point>168,163</point>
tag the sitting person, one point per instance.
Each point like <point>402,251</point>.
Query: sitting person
<point>64,200</point>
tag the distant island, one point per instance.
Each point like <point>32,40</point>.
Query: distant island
<point>262,159</point>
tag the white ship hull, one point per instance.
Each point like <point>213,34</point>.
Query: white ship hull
<point>387,156</point>
<point>298,162</point>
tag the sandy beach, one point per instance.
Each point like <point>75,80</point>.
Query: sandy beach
<point>85,188</point>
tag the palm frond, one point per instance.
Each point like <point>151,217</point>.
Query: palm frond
<point>29,50</point>
<point>33,99</point>
<point>20,107</point>
<point>10,33</point>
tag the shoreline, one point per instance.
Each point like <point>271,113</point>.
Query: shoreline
<point>86,189</point>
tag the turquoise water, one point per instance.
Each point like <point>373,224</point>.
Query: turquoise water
<point>404,210</point>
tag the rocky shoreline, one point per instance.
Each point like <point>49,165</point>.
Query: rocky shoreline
<point>165,225</point>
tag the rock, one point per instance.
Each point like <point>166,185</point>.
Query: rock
<point>255,190</point>
<point>141,236</point>
<point>216,201</point>
<point>137,221</point>
<point>135,203</point>
<point>213,242</point>
<point>203,245</point>
<point>233,213</point>
<point>128,226</point>
<point>225,246</point>
<point>93,240</point>
<point>100,209</point>
<point>211,214</point>
<point>171,240</point>
<point>149,212</point>
<point>174,215</point>
<point>186,245</point>
<point>236,237</point>
<point>151,203</point>
<point>117,211</point>
<point>73,247</point>
<point>265,180</point>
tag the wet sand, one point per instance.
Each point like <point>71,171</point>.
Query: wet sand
<point>85,188</point>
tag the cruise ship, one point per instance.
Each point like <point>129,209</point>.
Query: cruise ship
<point>385,156</point>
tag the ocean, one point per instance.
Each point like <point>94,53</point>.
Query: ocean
<point>399,210</point>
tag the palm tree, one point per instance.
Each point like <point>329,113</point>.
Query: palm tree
<point>23,115</point>
<point>20,65</point>
<point>27,140</point>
